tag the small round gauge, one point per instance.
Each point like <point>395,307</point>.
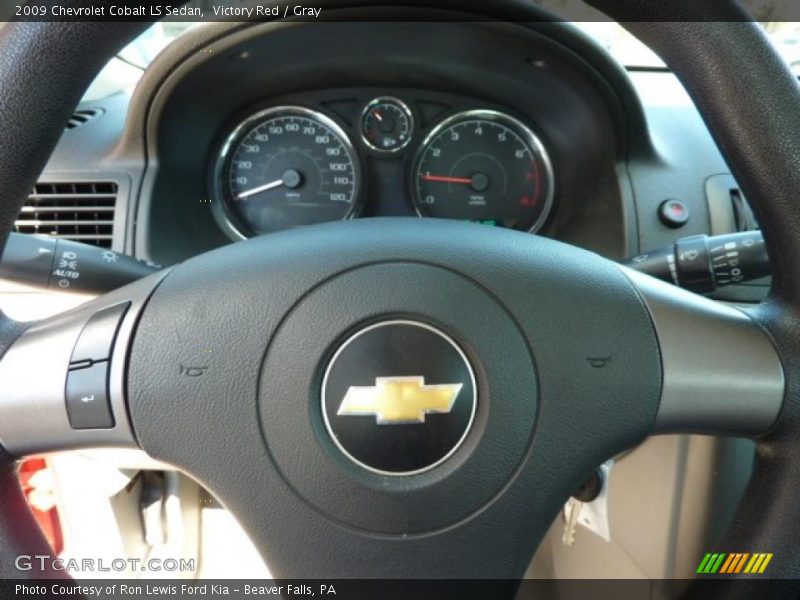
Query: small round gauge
<point>282,168</point>
<point>483,166</point>
<point>387,124</point>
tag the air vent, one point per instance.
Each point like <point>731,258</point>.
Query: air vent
<point>728,210</point>
<point>81,117</point>
<point>78,211</point>
<point>743,216</point>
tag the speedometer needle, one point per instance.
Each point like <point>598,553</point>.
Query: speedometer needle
<point>445,179</point>
<point>262,188</point>
<point>290,179</point>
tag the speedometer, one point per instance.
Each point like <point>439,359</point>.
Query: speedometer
<point>282,168</point>
<point>484,166</point>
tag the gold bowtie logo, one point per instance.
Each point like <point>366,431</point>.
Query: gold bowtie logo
<point>398,400</point>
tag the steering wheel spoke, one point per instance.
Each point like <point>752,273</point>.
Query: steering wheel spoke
<point>721,372</point>
<point>63,378</point>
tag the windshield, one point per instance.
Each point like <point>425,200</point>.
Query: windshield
<point>632,53</point>
<point>144,49</point>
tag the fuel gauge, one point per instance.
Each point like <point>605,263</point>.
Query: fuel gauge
<point>387,124</point>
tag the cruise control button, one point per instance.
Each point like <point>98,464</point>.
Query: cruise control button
<point>88,406</point>
<point>97,337</point>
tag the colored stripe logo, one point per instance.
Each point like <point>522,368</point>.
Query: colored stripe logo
<point>734,562</point>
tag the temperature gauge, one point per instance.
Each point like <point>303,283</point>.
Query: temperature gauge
<point>387,124</point>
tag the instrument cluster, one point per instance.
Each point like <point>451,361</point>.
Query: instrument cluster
<point>298,163</point>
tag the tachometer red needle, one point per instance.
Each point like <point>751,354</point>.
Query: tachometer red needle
<point>445,179</point>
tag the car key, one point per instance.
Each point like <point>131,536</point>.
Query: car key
<point>588,492</point>
<point>572,510</point>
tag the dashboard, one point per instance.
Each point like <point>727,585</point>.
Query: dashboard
<point>506,127</point>
<point>288,165</point>
<point>241,129</point>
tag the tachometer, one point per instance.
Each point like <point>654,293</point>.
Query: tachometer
<point>484,166</point>
<point>285,167</point>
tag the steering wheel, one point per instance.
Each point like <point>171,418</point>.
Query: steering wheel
<point>411,398</point>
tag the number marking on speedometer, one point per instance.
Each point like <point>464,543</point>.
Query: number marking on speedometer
<point>286,167</point>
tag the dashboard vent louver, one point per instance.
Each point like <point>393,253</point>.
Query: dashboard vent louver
<point>743,216</point>
<point>80,211</point>
<point>81,117</point>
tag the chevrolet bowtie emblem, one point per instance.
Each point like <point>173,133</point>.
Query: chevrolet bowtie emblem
<point>398,400</point>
